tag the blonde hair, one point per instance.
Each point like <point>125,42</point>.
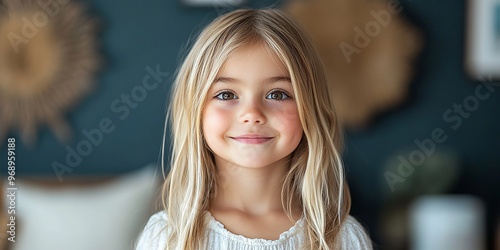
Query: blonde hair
<point>315,178</point>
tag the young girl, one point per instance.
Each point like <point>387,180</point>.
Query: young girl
<point>256,145</point>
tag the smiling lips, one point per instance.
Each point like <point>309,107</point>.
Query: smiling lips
<point>252,139</point>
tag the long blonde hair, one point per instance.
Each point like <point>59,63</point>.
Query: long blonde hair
<point>315,178</point>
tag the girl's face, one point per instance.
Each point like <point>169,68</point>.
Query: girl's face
<point>250,118</point>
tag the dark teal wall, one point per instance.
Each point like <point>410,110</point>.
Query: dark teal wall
<point>141,34</point>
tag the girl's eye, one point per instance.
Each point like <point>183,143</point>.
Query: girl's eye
<point>277,95</point>
<point>226,96</point>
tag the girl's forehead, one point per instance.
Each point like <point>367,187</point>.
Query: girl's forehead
<point>256,58</point>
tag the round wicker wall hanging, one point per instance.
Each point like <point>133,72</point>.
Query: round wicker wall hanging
<point>48,62</point>
<point>368,49</point>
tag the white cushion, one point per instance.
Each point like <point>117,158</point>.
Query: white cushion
<point>105,216</point>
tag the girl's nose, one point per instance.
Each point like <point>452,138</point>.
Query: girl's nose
<point>252,114</point>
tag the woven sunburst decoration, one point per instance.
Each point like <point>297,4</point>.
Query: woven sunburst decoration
<point>367,48</point>
<point>48,61</point>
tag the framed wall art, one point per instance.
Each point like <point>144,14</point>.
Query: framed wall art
<point>211,3</point>
<point>483,38</point>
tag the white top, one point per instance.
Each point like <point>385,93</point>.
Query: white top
<point>217,237</point>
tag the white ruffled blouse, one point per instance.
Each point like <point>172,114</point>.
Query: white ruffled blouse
<point>218,237</point>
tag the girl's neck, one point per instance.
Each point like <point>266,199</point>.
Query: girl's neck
<point>251,191</point>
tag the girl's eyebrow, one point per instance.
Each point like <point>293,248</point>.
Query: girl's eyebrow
<point>267,81</point>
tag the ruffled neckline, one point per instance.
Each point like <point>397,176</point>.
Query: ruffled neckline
<point>219,227</point>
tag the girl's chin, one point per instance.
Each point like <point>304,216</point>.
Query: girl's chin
<point>255,165</point>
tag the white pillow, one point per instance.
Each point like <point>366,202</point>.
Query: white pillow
<point>105,216</point>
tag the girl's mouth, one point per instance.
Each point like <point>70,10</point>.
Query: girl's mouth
<point>252,139</point>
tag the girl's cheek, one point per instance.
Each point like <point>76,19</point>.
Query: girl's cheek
<point>215,117</point>
<point>220,110</point>
<point>288,111</point>
<point>288,118</point>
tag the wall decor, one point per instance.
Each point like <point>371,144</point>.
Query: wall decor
<point>48,61</point>
<point>483,39</point>
<point>212,3</point>
<point>368,49</point>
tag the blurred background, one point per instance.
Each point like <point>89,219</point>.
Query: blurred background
<point>84,87</point>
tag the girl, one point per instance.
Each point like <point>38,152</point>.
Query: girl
<point>256,145</point>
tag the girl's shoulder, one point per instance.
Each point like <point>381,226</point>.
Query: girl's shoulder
<point>354,235</point>
<point>153,236</point>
